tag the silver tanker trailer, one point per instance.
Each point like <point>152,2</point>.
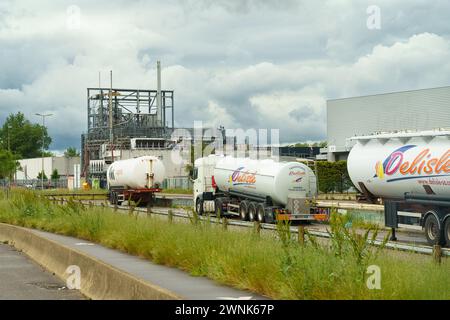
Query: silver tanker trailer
<point>262,190</point>
<point>135,180</point>
<point>410,172</point>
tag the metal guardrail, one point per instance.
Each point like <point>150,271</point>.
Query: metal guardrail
<point>160,195</point>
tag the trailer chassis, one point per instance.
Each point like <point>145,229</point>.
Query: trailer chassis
<point>428,212</point>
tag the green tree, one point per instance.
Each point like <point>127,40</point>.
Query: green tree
<point>8,164</point>
<point>24,138</point>
<point>321,144</point>
<point>333,176</point>
<point>301,145</point>
<point>39,176</point>
<point>71,152</point>
<point>55,175</point>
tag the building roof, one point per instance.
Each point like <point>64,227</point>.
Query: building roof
<point>388,93</point>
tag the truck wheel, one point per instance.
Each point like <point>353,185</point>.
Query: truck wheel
<point>218,207</point>
<point>261,213</point>
<point>199,207</point>
<point>447,231</point>
<point>243,210</point>
<point>252,211</point>
<point>432,231</point>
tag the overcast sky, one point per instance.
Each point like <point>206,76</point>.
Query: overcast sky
<point>237,63</point>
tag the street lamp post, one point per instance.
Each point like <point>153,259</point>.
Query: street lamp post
<point>9,150</point>
<point>43,145</point>
<point>9,138</point>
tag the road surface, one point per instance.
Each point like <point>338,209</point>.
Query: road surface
<point>23,279</point>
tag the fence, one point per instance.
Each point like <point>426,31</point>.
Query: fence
<point>60,183</point>
<point>177,183</point>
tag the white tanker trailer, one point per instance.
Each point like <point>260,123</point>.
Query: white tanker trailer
<point>410,172</point>
<point>262,190</point>
<point>135,180</point>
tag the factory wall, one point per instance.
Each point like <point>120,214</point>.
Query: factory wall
<point>30,168</point>
<point>424,109</point>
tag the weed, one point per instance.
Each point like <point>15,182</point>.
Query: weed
<point>278,268</point>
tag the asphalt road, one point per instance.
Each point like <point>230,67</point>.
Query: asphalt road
<point>23,279</point>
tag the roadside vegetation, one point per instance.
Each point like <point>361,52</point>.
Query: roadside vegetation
<point>78,194</point>
<point>281,268</point>
<point>75,191</point>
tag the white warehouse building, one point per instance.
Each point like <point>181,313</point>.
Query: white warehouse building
<point>30,168</point>
<point>414,110</point>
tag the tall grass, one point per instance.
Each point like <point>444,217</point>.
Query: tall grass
<point>280,269</point>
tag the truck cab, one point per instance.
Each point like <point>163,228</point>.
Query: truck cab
<point>203,183</point>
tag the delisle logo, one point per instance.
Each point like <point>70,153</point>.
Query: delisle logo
<point>422,166</point>
<point>298,175</point>
<point>241,177</point>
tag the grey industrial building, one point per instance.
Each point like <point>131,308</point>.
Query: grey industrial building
<point>414,110</point>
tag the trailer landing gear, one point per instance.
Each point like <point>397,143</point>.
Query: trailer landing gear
<point>199,207</point>
<point>393,235</point>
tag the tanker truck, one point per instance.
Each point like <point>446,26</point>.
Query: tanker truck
<point>262,190</point>
<point>135,180</point>
<point>410,173</point>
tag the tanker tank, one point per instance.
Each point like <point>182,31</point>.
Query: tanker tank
<point>277,180</point>
<point>390,165</point>
<point>137,173</point>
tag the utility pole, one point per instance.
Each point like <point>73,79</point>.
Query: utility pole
<point>43,145</point>
<point>159,112</point>
<point>111,124</point>
<point>9,150</point>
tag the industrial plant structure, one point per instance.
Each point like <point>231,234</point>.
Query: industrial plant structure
<point>130,123</point>
<point>125,123</point>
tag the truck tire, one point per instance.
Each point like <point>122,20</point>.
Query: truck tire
<point>243,210</point>
<point>432,231</point>
<point>447,232</point>
<point>261,213</point>
<point>218,207</point>
<point>199,207</point>
<point>252,211</point>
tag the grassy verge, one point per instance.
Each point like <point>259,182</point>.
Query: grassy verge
<point>78,194</point>
<point>75,191</point>
<point>281,269</point>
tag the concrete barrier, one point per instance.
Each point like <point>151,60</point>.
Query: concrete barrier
<point>98,280</point>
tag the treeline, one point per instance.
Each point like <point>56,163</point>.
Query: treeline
<point>333,176</point>
<point>320,144</point>
<point>22,139</point>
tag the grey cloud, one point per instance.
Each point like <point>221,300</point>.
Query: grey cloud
<point>305,113</point>
<point>261,64</point>
<point>240,6</point>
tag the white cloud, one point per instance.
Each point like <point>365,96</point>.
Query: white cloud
<point>262,64</point>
